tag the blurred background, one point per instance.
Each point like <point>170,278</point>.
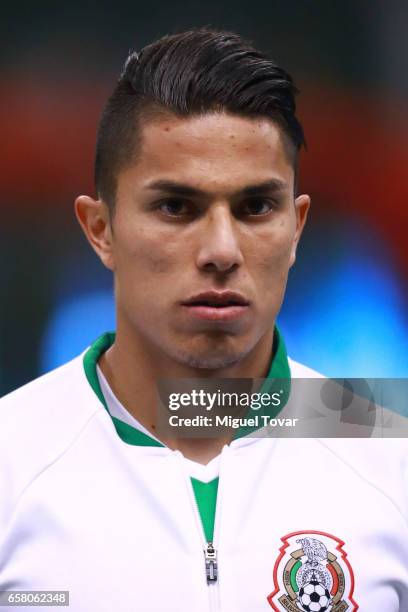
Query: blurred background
<point>346,311</point>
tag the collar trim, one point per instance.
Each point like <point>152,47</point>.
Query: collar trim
<point>277,381</point>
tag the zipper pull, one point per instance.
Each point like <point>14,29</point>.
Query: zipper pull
<point>211,567</point>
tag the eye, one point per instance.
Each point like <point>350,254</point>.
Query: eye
<point>173,207</point>
<point>258,206</point>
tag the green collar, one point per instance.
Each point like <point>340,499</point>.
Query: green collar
<point>277,381</point>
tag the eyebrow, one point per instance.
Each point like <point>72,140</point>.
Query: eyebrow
<point>181,189</point>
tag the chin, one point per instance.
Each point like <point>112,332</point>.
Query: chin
<point>208,362</point>
<point>208,358</point>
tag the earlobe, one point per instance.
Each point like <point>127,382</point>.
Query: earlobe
<point>93,217</point>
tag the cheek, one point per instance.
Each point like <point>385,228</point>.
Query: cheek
<point>271,257</point>
<point>145,253</point>
<point>145,265</point>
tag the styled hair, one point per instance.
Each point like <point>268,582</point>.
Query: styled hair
<point>190,74</point>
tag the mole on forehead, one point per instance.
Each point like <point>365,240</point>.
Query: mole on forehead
<point>168,122</point>
<point>168,141</point>
<point>242,136</point>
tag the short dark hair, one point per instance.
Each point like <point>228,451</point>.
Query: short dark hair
<point>188,74</point>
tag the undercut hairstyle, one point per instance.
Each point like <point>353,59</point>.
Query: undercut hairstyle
<point>190,74</point>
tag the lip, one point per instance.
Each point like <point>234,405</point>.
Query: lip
<point>219,298</point>
<point>223,305</point>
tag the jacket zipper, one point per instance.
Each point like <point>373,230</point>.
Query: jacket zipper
<point>211,566</point>
<point>210,561</point>
<point>209,557</point>
<point>210,552</point>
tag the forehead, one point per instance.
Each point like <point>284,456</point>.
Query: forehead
<point>211,151</point>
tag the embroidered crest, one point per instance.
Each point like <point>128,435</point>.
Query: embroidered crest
<point>312,574</point>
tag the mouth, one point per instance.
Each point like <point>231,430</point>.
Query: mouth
<point>217,306</point>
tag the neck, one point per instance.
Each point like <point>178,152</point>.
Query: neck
<point>132,367</point>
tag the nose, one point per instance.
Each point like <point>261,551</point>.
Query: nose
<point>219,249</point>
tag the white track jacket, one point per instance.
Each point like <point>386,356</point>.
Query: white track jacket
<point>111,516</point>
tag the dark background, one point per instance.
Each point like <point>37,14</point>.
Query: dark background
<point>346,307</point>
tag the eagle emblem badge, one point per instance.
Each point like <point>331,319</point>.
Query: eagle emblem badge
<point>312,573</point>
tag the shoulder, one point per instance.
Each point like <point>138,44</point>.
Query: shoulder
<point>38,423</point>
<point>381,463</point>
<point>59,396</point>
<point>377,462</point>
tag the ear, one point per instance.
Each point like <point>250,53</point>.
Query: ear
<point>93,217</point>
<point>302,204</point>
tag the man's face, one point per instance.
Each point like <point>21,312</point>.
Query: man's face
<point>207,207</point>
